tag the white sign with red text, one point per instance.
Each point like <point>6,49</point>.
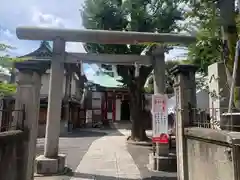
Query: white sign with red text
<point>159,116</point>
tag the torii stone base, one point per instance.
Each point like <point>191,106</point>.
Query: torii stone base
<point>165,163</point>
<point>51,166</point>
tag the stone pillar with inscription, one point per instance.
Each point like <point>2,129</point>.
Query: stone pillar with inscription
<point>28,97</point>
<point>185,92</point>
<point>218,93</point>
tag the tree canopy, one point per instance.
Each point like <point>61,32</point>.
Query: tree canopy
<point>218,36</point>
<point>6,64</point>
<point>204,18</point>
<point>131,15</point>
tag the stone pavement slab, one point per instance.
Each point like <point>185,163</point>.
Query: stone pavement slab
<point>107,159</point>
<point>75,146</point>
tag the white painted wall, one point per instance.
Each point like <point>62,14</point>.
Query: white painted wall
<point>45,84</point>
<point>202,101</point>
<point>118,109</point>
<point>96,100</point>
<point>109,116</point>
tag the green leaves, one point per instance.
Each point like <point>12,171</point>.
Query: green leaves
<point>168,77</point>
<point>206,51</point>
<point>7,62</point>
<point>130,15</point>
<point>208,48</point>
<point>7,89</point>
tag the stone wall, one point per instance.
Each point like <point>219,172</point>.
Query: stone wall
<point>11,154</point>
<point>212,154</point>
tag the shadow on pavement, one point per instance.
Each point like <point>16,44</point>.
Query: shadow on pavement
<point>83,133</point>
<point>160,178</point>
<point>92,132</point>
<point>140,155</point>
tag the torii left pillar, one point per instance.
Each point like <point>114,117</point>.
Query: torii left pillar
<point>52,162</point>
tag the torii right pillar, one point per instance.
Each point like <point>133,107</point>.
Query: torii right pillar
<point>162,160</point>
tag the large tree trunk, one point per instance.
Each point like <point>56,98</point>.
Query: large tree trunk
<point>137,113</point>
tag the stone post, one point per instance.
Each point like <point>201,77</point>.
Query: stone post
<point>218,93</point>
<point>68,92</point>
<point>185,92</point>
<point>159,71</point>
<point>28,94</point>
<point>79,89</point>
<point>161,157</point>
<point>52,162</point>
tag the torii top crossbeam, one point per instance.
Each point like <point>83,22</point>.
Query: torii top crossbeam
<point>101,36</point>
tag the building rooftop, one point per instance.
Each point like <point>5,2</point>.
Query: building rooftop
<point>103,79</point>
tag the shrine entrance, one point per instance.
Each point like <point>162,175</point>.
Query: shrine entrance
<point>52,161</point>
<point>125,110</point>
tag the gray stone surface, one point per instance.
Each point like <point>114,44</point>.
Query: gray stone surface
<point>55,99</point>
<point>209,160</point>
<point>219,92</point>
<point>51,166</point>
<point>46,165</point>
<point>107,158</point>
<point>220,136</point>
<point>74,145</point>
<point>140,156</point>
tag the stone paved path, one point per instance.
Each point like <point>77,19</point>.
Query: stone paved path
<point>107,159</point>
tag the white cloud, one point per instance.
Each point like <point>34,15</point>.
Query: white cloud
<point>47,20</point>
<point>6,33</point>
<point>45,13</point>
<point>37,13</point>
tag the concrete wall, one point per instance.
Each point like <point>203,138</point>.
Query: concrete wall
<point>210,153</point>
<point>11,154</point>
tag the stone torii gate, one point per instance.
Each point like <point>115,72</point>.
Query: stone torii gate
<point>51,161</point>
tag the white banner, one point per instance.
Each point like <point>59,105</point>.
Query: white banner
<point>159,114</point>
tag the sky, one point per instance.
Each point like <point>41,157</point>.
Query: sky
<point>43,13</point>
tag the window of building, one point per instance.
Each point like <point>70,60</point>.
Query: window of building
<point>109,105</point>
<point>110,73</point>
<point>107,67</point>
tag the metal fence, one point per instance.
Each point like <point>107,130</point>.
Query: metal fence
<point>214,118</point>
<point>12,138</point>
<point>11,119</point>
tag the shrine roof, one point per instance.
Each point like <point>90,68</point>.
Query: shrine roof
<point>44,50</point>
